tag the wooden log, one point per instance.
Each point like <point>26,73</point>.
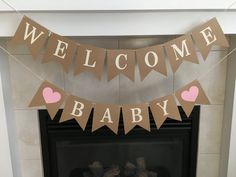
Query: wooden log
<point>96,169</point>
<point>141,164</point>
<point>87,174</point>
<point>152,174</point>
<point>112,172</point>
<point>129,170</point>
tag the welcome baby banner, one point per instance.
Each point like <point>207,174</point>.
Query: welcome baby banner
<point>87,58</point>
<point>92,59</point>
<point>109,114</point>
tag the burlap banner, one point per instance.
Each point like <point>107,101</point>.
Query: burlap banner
<point>109,114</point>
<point>78,109</point>
<point>60,49</point>
<point>151,58</point>
<point>92,59</point>
<point>32,34</point>
<point>49,95</point>
<point>190,95</point>
<point>121,61</point>
<point>164,108</point>
<point>180,49</point>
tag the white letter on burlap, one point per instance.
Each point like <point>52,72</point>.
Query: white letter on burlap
<point>136,115</point>
<point>146,59</point>
<point>77,109</point>
<point>107,115</point>
<point>118,61</point>
<point>60,50</point>
<point>88,52</point>
<point>207,34</point>
<point>31,33</point>
<point>182,51</point>
<point>164,107</point>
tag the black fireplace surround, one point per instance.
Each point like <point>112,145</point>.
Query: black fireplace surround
<point>170,151</point>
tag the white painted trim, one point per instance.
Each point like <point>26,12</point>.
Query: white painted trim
<point>119,23</point>
<point>55,5</point>
<point>5,154</point>
<point>232,147</point>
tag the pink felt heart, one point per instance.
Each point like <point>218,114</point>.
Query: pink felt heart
<point>50,96</point>
<point>191,94</point>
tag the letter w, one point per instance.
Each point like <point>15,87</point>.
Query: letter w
<point>31,33</point>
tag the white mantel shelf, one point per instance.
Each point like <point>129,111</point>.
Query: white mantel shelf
<point>116,5</point>
<point>118,23</point>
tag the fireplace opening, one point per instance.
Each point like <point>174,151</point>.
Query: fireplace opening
<point>170,151</point>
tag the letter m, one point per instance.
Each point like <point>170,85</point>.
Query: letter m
<point>181,52</point>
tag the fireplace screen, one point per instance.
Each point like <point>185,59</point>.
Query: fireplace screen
<point>168,152</point>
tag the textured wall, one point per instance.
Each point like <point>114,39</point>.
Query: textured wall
<point>119,90</point>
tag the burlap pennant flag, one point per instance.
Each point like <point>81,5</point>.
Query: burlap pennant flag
<point>190,95</point>
<point>180,49</point>
<point>30,33</point>
<point>78,109</point>
<point>207,35</point>
<point>151,58</point>
<point>106,115</point>
<point>90,59</point>
<point>136,114</point>
<point>164,108</point>
<point>121,61</point>
<point>49,95</point>
<point>60,49</point>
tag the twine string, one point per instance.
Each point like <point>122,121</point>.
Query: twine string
<point>21,63</point>
<point>13,8</point>
<point>216,64</point>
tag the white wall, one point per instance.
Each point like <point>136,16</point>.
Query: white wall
<point>7,118</point>
<point>5,155</point>
<point>232,143</point>
<point>227,166</point>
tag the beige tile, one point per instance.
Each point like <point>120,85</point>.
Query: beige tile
<point>213,83</point>
<point>211,118</point>
<point>29,150</point>
<point>21,49</point>
<point>27,129</point>
<point>25,84</point>
<point>208,165</point>
<point>87,86</point>
<point>31,168</point>
<point>153,86</point>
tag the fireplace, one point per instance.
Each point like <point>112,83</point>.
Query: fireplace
<point>170,151</point>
